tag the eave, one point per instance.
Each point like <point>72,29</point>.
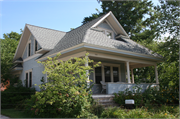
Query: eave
<point>106,50</point>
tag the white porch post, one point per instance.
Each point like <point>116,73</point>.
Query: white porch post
<point>132,75</point>
<point>87,72</point>
<point>156,75</point>
<point>128,73</point>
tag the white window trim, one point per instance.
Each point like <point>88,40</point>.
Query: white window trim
<point>28,71</point>
<point>111,70</point>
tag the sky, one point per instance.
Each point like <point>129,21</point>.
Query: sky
<point>54,14</point>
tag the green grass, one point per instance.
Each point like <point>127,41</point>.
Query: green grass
<point>13,113</point>
<point>115,112</point>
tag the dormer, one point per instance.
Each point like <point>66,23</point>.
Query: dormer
<point>110,26</point>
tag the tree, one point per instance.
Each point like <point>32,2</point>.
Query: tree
<point>8,49</point>
<point>170,48</point>
<point>65,94</point>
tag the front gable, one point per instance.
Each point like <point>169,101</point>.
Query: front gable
<point>37,40</point>
<point>107,29</point>
<point>113,23</point>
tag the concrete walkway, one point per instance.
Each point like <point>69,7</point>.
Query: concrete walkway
<point>4,117</point>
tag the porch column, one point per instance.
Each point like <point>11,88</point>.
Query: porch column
<point>156,75</point>
<point>128,73</point>
<point>132,75</point>
<point>87,72</point>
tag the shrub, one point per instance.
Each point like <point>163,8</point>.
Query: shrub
<point>96,109</point>
<point>138,113</point>
<point>66,93</point>
<point>12,96</point>
<point>163,95</point>
<point>127,94</point>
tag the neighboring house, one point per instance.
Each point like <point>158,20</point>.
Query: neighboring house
<point>103,38</point>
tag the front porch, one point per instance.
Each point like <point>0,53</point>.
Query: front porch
<point>117,73</point>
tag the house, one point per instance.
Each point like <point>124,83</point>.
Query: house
<point>103,38</point>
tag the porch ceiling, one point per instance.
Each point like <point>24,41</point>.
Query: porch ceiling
<point>115,61</point>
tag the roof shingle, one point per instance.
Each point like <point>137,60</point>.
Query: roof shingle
<point>47,38</point>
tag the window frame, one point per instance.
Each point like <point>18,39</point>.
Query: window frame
<point>29,42</point>
<point>111,71</point>
<point>35,46</point>
<point>28,82</point>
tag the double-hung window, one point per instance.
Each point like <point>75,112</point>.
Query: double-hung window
<point>28,75</point>
<point>107,73</point>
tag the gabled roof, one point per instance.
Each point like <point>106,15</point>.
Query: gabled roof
<point>88,33</point>
<point>98,38</point>
<point>73,37</point>
<point>47,38</point>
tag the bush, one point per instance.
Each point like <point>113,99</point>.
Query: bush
<point>96,109</point>
<point>139,113</point>
<point>165,95</point>
<point>13,96</point>
<point>66,93</point>
<point>127,94</point>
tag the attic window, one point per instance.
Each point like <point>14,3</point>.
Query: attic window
<point>108,33</point>
<point>36,45</point>
<point>29,49</point>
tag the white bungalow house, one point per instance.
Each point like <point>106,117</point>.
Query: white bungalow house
<point>103,38</point>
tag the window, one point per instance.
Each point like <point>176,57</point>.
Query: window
<point>107,73</point>
<point>98,73</point>
<point>29,78</point>
<point>26,79</point>
<point>36,45</point>
<point>29,49</point>
<point>115,74</point>
<point>109,34</point>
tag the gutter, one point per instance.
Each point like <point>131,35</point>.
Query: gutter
<point>96,47</point>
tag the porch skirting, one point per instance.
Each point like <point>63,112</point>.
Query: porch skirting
<point>116,87</point>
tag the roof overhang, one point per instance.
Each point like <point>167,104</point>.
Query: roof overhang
<point>111,19</point>
<point>42,51</point>
<point>17,69</point>
<point>22,43</point>
<point>95,48</point>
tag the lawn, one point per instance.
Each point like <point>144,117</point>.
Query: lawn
<point>117,112</point>
<point>13,113</point>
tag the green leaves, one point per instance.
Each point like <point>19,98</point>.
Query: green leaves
<point>66,88</point>
<point>8,48</point>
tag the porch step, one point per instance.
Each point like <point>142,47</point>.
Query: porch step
<point>105,100</point>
